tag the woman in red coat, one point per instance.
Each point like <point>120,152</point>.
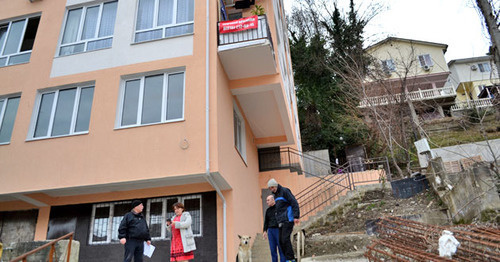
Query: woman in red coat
<point>182,241</point>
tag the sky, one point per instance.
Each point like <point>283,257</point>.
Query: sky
<point>453,22</point>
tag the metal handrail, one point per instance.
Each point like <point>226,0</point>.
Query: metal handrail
<point>24,257</point>
<point>327,187</point>
<point>261,32</point>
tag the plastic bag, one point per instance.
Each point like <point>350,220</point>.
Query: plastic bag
<point>448,244</point>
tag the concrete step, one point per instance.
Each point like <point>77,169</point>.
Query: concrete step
<point>342,200</point>
<point>346,257</point>
<point>260,249</point>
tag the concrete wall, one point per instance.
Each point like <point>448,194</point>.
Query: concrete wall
<point>17,226</point>
<point>61,251</point>
<point>458,152</point>
<point>315,168</point>
<point>470,194</point>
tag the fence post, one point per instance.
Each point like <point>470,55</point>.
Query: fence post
<point>388,170</point>
<point>69,247</point>
<point>51,254</point>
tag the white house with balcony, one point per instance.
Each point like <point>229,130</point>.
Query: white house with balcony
<point>410,70</point>
<point>476,82</point>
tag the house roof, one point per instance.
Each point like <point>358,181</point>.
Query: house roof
<point>389,39</point>
<point>469,60</point>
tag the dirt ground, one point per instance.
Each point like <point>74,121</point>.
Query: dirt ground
<point>373,205</point>
<point>344,230</point>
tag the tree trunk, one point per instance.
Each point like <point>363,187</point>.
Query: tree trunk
<point>491,24</point>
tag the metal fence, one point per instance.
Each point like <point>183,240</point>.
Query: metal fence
<point>261,32</point>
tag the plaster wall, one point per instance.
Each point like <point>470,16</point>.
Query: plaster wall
<point>405,53</point>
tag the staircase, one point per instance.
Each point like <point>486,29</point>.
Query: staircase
<point>260,249</point>
<point>331,189</point>
<point>332,181</point>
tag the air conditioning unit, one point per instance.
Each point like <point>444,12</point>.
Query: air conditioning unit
<point>473,67</point>
<point>426,67</point>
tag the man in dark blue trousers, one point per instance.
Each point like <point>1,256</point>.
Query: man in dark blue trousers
<point>133,232</point>
<point>287,215</point>
<point>271,230</point>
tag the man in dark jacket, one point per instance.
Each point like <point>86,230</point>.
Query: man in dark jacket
<point>133,231</point>
<point>287,214</point>
<point>271,230</point>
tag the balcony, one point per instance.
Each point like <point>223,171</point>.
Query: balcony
<point>471,104</point>
<point>247,53</point>
<point>443,93</point>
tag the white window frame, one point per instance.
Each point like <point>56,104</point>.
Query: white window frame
<point>388,65</point>
<point>146,213</point>
<point>3,108</point>
<point>165,209</point>
<point>118,123</point>
<point>72,132</point>
<point>80,29</point>
<point>162,27</point>
<point>18,53</point>
<point>109,226</point>
<point>484,67</point>
<point>241,137</point>
<point>427,60</point>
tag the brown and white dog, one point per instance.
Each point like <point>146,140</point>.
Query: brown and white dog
<point>244,252</point>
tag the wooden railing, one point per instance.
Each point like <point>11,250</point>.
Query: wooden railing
<point>419,95</point>
<point>24,257</point>
<point>480,103</point>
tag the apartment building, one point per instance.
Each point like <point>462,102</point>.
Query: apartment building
<point>476,82</point>
<point>410,69</point>
<point>103,102</point>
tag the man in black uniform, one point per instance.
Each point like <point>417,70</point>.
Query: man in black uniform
<point>133,231</point>
<point>287,214</point>
<point>271,230</point>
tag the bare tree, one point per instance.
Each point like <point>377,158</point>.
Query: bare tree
<point>491,15</point>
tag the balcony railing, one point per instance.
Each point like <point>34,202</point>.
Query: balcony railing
<point>419,95</point>
<point>480,103</point>
<point>261,32</point>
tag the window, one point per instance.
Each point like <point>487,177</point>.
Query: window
<point>388,65</point>
<point>106,217</point>
<point>159,209</point>
<point>234,16</point>
<point>239,132</point>
<point>63,112</point>
<point>158,19</point>
<point>152,99</point>
<point>8,111</point>
<point>484,67</point>
<point>16,40</point>
<point>425,60</point>
<point>106,220</point>
<point>88,28</point>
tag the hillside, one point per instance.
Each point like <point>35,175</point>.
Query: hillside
<point>344,229</point>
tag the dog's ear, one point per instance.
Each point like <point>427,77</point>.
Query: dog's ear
<point>239,236</point>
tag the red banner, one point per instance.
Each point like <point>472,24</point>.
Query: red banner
<point>238,25</point>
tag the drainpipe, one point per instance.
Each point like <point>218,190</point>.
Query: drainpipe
<point>207,132</point>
